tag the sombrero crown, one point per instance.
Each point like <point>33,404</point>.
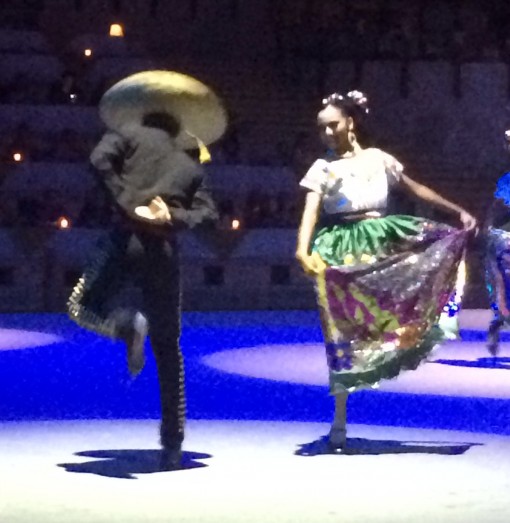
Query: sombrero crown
<point>197,108</point>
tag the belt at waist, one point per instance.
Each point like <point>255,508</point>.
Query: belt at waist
<point>327,220</point>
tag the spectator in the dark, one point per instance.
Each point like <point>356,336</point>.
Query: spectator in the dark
<point>21,141</point>
<point>18,89</point>
<point>226,213</point>
<point>70,147</point>
<point>505,50</point>
<point>66,90</point>
<point>96,211</point>
<point>30,211</point>
<point>393,43</point>
<point>231,147</point>
<point>252,208</point>
<point>286,209</point>
<point>53,206</point>
<point>270,213</point>
<point>301,154</point>
<point>491,51</point>
<point>8,210</point>
<point>473,29</point>
<point>365,39</point>
<point>4,91</point>
<point>44,147</point>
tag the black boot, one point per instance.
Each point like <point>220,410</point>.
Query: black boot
<point>171,457</point>
<point>493,335</point>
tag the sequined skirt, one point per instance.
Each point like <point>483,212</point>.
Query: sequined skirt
<point>386,284</point>
<point>497,272</point>
<point>497,265</point>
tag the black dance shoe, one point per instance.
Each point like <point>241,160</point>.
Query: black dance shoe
<point>171,457</point>
<point>493,335</point>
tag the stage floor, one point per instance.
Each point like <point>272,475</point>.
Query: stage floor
<point>78,438</point>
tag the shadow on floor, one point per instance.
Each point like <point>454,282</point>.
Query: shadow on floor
<point>371,447</point>
<point>480,363</point>
<point>127,464</point>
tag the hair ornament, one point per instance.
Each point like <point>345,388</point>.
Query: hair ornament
<point>359,99</point>
<point>356,97</point>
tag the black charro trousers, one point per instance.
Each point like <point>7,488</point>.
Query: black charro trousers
<point>151,263</point>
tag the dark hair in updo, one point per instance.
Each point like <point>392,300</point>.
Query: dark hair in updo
<point>355,105</point>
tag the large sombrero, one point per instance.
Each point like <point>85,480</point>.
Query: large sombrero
<point>198,110</point>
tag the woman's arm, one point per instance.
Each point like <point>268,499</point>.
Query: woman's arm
<point>311,211</point>
<point>430,196</point>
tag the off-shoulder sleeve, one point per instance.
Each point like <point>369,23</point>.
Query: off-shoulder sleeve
<point>316,177</point>
<point>394,169</point>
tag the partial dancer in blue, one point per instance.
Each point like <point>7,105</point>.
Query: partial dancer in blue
<point>497,258</point>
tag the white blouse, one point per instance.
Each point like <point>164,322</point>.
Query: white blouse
<point>358,183</point>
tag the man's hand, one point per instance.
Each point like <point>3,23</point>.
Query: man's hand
<point>156,212</point>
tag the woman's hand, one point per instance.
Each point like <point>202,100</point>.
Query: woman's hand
<point>157,211</point>
<point>312,264</point>
<point>468,221</point>
<point>503,310</point>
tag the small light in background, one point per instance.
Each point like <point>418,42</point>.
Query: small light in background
<point>63,223</point>
<point>17,157</point>
<point>116,30</point>
<point>73,97</point>
<point>88,53</point>
<point>236,224</point>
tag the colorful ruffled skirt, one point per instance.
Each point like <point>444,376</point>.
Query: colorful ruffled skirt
<point>497,242</point>
<point>497,271</point>
<point>386,284</point>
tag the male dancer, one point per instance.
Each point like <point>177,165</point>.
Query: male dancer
<point>156,190</point>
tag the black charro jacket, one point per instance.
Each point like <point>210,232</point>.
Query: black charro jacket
<point>139,163</point>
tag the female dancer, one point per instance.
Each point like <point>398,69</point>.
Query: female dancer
<point>497,242</point>
<point>381,281</point>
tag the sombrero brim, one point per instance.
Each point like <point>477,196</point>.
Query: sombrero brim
<point>196,106</point>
